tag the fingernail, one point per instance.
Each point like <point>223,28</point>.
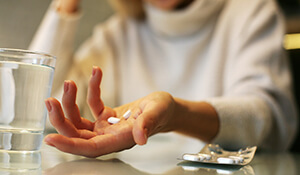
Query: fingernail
<point>94,70</point>
<point>48,106</point>
<point>47,140</point>
<point>146,134</point>
<point>66,86</point>
<point>146,138</point>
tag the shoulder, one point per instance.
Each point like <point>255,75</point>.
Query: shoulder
<point>249,10</point>
<point>252,16</point>
<point>251,6</point>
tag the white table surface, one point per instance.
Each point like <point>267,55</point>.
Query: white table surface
<point>158,157</point>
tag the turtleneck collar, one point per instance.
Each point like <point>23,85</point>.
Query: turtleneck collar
<point>182,22</point>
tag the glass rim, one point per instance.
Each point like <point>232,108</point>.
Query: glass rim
<point>9,53</point>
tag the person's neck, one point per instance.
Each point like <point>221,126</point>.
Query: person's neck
<point>184,4</point>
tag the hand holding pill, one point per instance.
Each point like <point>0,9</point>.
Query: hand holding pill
<point>114,129</point>
<point>122,127</point>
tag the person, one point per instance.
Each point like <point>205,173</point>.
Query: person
<point>212,70</point>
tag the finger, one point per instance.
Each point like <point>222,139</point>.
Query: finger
<point>94,92</point>
<point>145,126</point>
<point>97,146</point>
<point>71,108</point>
<point>140,132</point>
<point>86,134</point>
<point>76,146</point>
<point>58,120</point>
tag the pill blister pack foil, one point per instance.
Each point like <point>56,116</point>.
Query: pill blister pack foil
<point>214,154</point>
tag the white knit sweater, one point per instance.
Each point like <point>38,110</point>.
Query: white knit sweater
<point>227,53</point>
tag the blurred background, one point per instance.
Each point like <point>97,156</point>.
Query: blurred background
<point>19,19</point>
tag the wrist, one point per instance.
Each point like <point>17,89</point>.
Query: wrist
<point>178,116</point>
<point>196,119</point>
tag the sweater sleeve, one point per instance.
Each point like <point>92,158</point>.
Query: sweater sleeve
<point>55,36</point>
<point>257,107</point>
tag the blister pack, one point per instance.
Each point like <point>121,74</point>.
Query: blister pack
<point>214,154</point>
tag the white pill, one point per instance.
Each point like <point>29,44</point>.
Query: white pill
<point>224,160</point>
<point>191,157</point>
<point>127,114</point>
<point>113,120</point>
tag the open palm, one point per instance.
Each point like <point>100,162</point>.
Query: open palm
<point>77,135</point>
<point>80,136</point>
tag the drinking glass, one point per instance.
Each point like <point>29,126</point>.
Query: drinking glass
<point>25,82</point>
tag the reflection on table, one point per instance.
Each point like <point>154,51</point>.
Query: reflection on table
<point>263,163</point>
<point>142,161</point>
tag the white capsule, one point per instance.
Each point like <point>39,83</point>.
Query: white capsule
<point>127,114</point>
<point>224,160</point>
<point>191,157</point>
<point>113,120</point>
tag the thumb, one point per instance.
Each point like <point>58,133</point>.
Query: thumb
<point>143,127</point>
<point>140,131</point>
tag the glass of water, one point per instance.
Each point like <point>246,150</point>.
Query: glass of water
<point>25,82</point>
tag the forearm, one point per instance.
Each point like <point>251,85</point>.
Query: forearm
<point>56,36</point>
<point>244,120</point>
<point>56,31</point>
<point>196,119</point>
